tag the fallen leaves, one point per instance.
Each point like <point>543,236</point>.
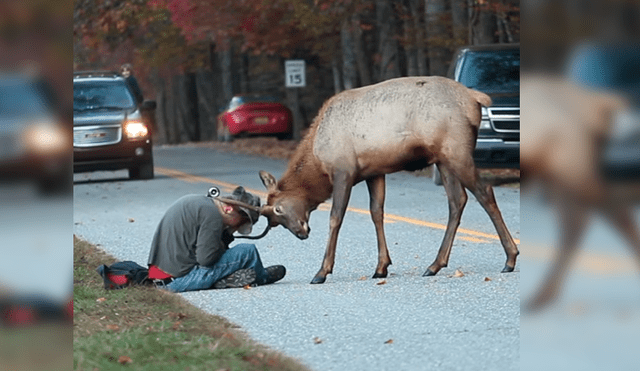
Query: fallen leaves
<point>113,327</point>
<point>363,278</point>
<point>390,341</point>
<point>317,340</point>
<point>100,300</point>
<point>131,220</point>
<point>383,282</point>
<point>247,287</point>
<point>124,360</point>
<point>487,279</point>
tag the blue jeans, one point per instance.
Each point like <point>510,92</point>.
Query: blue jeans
<point>241,256</point>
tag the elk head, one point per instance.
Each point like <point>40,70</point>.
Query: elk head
<point>283,208</point>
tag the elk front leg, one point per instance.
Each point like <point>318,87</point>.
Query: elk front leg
<point>457,198</point>
<point>342,183</point>
<point>376,188</point>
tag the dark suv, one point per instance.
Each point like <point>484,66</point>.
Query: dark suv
<point>111,130</point>
<point>494,70</point>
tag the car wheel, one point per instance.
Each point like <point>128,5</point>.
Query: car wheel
<point>144,171</point>
<point>435,174</point>
<point>55,186</point>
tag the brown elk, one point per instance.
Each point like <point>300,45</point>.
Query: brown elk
<point>565,127</point>
<point>362,134</point>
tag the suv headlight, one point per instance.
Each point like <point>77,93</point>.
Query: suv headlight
<point>45,137</point>
<point>626,124</point>
<point>135,129</point>
<point>485,124</point>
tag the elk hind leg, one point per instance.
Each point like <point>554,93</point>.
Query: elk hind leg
<point>573,219</point>
<point>342,183</point>
<point>376,188</point>
<point>457,198</point>
<point>622,218</point>
<point>484,195</point>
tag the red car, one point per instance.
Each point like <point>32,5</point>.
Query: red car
<point>255,115</point>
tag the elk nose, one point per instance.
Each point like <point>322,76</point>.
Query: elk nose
<point>305,226</point>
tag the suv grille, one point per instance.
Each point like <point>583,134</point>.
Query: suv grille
<point>90,136</point>
<point>505,119</point>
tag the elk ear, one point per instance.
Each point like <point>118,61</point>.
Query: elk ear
<point>268,180</point>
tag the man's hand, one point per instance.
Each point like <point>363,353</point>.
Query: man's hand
<point>227,237</point>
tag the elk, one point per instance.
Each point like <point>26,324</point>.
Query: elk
<point>565,128</point>
<point>361,135</point>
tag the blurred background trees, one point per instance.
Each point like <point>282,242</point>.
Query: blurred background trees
<point>193,56</point>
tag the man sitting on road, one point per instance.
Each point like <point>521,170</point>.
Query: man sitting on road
<point>190,249</point>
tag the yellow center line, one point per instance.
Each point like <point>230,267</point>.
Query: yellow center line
<point>473,236</point>
<point>587,261</point>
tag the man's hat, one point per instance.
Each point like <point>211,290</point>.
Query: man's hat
<point>239,194</point>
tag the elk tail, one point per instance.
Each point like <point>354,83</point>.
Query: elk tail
<point>481,98</point>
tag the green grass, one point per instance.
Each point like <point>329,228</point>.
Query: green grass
<point>143,328</point>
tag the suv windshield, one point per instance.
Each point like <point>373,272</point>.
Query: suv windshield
<point>494,71</point>
<point>92,95</point>
<point>20,98</point>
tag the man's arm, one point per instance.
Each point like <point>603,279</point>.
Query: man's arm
<point>209,244</point>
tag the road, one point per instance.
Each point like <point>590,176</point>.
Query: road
<point>352,322</point>
<point>595,323</point>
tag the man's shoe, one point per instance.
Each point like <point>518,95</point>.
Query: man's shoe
<point>237,279</point>
<point>275,273</point>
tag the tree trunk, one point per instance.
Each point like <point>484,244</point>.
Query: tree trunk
<point>417,14</point>
<point>410,47</point>
<point>361,54</point>
<point>190,103</point>
<point>460,20</point>
<point>244,73</point>
<point>226,60</point>
<point>172,113</point>
<point>337,81</point>
<point>349,73</point>
<point>388,47</point>
<point>159,130</point>
<point>482,24</point>
<point>293,102</point>
<point>437,16</point>
<point>207,104</point>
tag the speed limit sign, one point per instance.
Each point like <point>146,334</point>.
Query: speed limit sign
<point>294,71</point>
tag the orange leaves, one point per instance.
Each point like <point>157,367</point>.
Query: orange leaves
<point>458,273</point>
<point>124,360</point>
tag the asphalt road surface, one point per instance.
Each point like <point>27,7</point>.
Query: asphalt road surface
<point>351,322</point>
<point>595,323</point>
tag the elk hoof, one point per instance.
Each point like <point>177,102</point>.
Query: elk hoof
<point>507,269</point>
<point>318,279</point>
<point>428,273</point>
<point>380,275</point>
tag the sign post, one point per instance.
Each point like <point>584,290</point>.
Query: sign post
<point>295,77</point>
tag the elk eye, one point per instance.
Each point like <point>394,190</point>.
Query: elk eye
<point>278,210</point>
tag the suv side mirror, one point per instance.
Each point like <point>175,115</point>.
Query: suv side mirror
<point>148,105</point>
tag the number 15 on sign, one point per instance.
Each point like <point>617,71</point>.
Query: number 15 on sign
<point>295,74</point>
